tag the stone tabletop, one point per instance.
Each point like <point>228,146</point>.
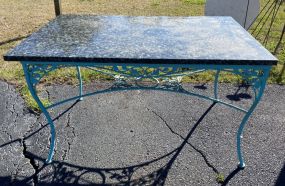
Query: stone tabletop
<point>155,40</point>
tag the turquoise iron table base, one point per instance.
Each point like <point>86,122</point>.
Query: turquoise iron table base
<point>150,77</point>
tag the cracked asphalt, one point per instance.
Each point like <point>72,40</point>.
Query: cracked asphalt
<point>142,138</point>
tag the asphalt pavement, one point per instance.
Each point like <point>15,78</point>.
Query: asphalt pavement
<point>143,138</point>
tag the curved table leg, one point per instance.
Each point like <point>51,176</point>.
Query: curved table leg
<point>80,82</point>
<point>261,85</point>
<point>216,84</point>
<point>32,89</point>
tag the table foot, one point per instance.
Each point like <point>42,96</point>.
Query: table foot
<point>31,82</point>
<point>48,162</point>
<point>259,89</point>
<point>52,142</point>
<point>241,165</point>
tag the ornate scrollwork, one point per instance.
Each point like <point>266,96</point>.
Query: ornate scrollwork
<point>125,76</point>
<point>36,72</point>
<point>166,83</point>
<point>142,72</point>
<point>250,77</point>
<point>146,77</point>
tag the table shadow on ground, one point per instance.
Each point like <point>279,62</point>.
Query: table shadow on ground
<point>281,178</point>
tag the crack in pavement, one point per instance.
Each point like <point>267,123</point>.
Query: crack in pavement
<point>26,154</point>
<point>8,134</point>
<point>32,162</point>
<point>48,94</point>
<point>12,110</point>
<point>14,105</point>
<point>66,151</point>
<point>17,165</point>
<point>5,131</point>
<point>195,148</point>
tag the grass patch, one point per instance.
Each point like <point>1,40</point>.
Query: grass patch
<point>197,2</point>
<point>277,74</point>
<point>220,178</point>
<point>30,102</point>
<point>155,3</point>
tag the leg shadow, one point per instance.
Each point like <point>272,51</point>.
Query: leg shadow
<point>279,79</point>
<point>281,178</point>
<point>230,176</point>
<point>12,40</point>
<point>201,87</point>
<point>238,96</point>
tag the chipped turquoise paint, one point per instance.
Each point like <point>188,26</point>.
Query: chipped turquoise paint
<point>170,81</point>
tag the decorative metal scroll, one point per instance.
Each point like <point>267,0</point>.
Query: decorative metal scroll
<point>144,77</point>
<point>139,72</point>
<point>251,77</point>
<point>147,77</point>
<point>36,72</point>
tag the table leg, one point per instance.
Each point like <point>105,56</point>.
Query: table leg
<point>261,86</point>
<point>216,84</point>
<point>32,88</point>
<point>80,82</point>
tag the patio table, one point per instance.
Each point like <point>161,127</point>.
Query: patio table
<point>152,53</point>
